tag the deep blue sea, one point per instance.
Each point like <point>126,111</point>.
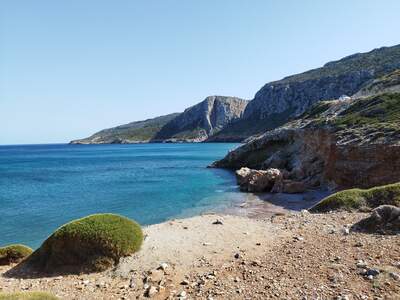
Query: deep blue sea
<point>45,186</point>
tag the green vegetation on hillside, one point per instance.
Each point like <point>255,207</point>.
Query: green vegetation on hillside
<point>189,134</point>
<point>93,243</point>
<point>359,199</point>
<point>13,253</point>
<point>28,296</point>
<point>317,110</point>
<point>379,113</point>
<point>135,131</point>
<point>382,111</point>
<point>376,60</point>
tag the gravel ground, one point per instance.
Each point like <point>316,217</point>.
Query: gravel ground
<point>292,256</point>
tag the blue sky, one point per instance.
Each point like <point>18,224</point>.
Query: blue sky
<point>70,68</point>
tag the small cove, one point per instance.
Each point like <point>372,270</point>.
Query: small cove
<point>45,186</point>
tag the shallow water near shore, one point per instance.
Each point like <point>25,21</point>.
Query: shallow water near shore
<point>45,186</point>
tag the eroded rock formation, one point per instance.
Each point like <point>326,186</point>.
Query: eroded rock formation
<point>341,143</point>
<point>258,180</point>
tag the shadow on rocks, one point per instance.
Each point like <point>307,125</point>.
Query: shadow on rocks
<point>384,219</point>
<point>24,271</point>
<point>32,267</point>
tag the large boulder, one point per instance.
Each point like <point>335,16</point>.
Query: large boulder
<point>242,175</point>
<point>383,219</point>
<point>258,180</point>
<point>93,243</point>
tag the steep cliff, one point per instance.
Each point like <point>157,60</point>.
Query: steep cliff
<point>195,124</point>
<point>279,101</point>
<point>134,132</point>
<point>340,143</point>
<point>203,120</point>
<point>220,118</point>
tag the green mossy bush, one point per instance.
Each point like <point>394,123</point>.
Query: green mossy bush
<point>27,296</point>
<point>359,199</point>
<point>90,244</point>
<point>14,254</point>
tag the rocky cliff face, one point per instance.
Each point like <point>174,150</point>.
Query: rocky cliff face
<point>339,143</point>
<point>220,118</point>
<point>279,101</point>
<point>195,124</point>
<point>203,120</point>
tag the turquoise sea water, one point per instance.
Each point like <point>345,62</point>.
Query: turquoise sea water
<point>45,186</point>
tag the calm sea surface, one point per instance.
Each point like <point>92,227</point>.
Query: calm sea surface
<point>45,186</point>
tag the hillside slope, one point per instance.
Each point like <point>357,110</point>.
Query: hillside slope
<point>220,118</point>
<point>279,101</point>
<point>195,124</point>
<point>134,132</point>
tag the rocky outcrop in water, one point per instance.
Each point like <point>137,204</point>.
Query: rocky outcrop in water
<point>270,180</point>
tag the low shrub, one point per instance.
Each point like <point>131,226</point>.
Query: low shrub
<point>14,254</point>
<point>359,199</point>
<point>93,243</point>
